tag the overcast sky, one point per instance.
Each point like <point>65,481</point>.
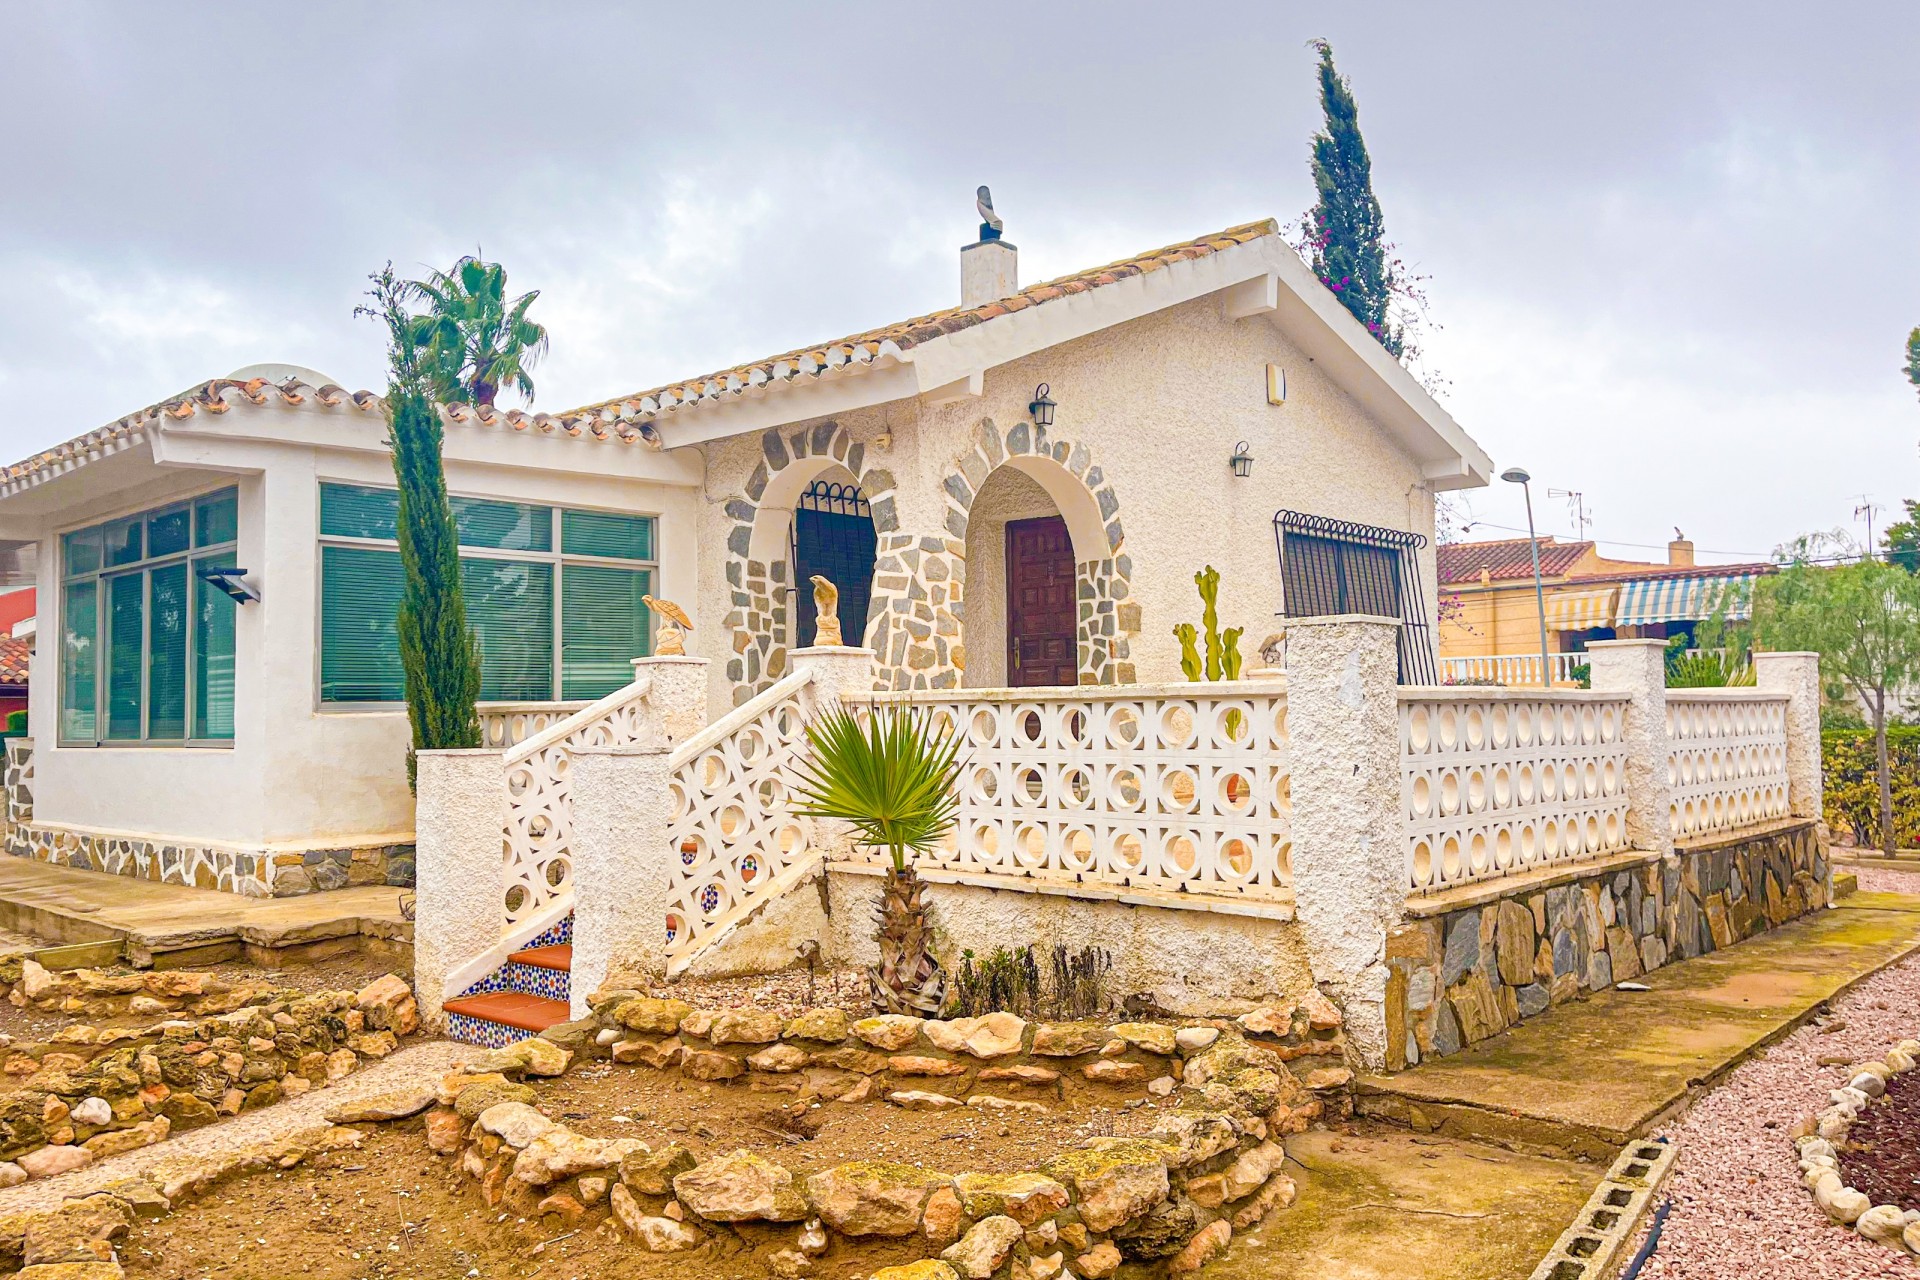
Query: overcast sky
<point>1672,246</point>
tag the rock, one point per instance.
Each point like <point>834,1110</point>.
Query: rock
<point>710,1064</point>
<point>1866,1082</point>
<point>744,1026</point>
<point>563,1206</point>
<point>1161,1232</point>
<point>917,1100</point>
<point>93,1111</point>
<point>1267,1020</point>
<point>651,1173</point>
<point>989,1102</point>
<point>115,1142</point>
<point>478,1098</point>
<point>979,1253</point>
<point>1250,1172</point>
<point>994,1035</point>
<point>829,1026</point>
<point>940,1220</point>
<point>561,1153</point>
<point>184,1111</point>
<point>1113,1072</point>
<point>514,1123</point>
<point>1322,1013</point>
<point>397,1105</point>
<point>864,1061</point>
<point>872,1197</point>
<point>789,1264</point>
<point>695,1024</point>
<point>888,1032</point>
<point>1910,1237</point>
<point>49,1162</point>
<point>445,1131</point>
<point>1194,1136</point>
<point>652,1017</point>
<point>1328,1078</point>
<point>1020,1073</point>
<point>927,1270</point>
<point>80,1231</point>
<point>1162,1086</point>
<point>1191,1040</point>
<point>373,1044</point>
<point>389,1005</point>
<point>1098,1262</point>
<point>593,1189</point>
<point>1211,1241</point>
<point>656,1235</point>
<point>740,1187</point>
<point>1115,1183</point>
<point>1842,1204</point>
<point>1277,1194</point>
<point>1884,1223</point>
<point>1026,1198</point>
<point>919,1065</point>
<point>1067,1039</point>
<point>35,982</point>
<point>11,1175</point>
<point>779,1058</point>
<point>1150,1037</point>
<point>659,1054</point>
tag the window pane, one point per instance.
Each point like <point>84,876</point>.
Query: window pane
<point>212,655</point>
<point>126,598</point>
<point>216,519</point>
<point>360,594</point>
<point>355,511</point>
<point>79,659</point>
<point>123,540</point>
<point>597,533</point>
<point>603,628</point>
<point>510,607</point>
<point>167,651</point>
<point>169,531</point>
<point>81,552</point>
<point>503,526</point>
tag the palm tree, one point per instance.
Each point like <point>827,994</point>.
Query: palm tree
<point>476,339</point>
<point>892,776</point>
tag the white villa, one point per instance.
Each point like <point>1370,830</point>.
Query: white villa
<point>1014,495</point>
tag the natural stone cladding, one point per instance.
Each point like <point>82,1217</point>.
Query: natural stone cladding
<point>1165,1202</point>
<point>1464,975</point>
<point>251,873</point>
<point>214,1050</point>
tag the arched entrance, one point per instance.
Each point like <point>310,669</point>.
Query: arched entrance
<point>833,536</point>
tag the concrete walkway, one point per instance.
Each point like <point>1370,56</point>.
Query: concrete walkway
<point>163,923</point>
<point>1586,1076</point>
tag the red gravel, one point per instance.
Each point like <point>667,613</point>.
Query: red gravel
<point>1883,1146</point>
<point>1738,1207</point>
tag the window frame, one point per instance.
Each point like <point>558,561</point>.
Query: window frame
<point>555,557</point>
<point>143,567</point>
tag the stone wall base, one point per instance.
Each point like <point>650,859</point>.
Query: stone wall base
<point>1458,976</point>
<point>249,872</point>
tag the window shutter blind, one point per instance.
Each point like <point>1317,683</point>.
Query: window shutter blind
<point>216,519</point>
<point>169,532</point>
<point>360,592</point>
<point>503,526</point>
<point>603,628</point>
<point>167,649</point>
<point>79,659</point>
<point>510,608</point>
<point>126,600</point>
<point>599,533</point>
<point>356,511</point>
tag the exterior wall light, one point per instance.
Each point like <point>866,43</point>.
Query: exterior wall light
<point>231,582</point>
<point>1042,407</point>
<point>1241,461</point>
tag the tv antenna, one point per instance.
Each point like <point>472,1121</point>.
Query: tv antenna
<point>1577,508</point>
<point>1863,510</point>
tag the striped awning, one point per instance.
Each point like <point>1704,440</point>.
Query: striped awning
<point>1656,600</point>
<point>1581,610</point>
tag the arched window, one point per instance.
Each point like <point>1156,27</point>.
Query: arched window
<point>833,536</point>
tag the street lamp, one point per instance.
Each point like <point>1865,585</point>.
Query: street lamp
<point>1519,476</point>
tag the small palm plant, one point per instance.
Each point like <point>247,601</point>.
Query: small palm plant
<point>891,775</point>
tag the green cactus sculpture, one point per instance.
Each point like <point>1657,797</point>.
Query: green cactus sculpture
<point>1222,660</point>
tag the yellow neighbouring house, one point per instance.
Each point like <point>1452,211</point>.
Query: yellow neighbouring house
<point>1490,621</point>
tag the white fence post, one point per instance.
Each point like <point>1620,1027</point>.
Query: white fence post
<point>1798,676</point>
<point>459,871</point>
<point>1349,837</point>
<point>622,807</point>
<point>679,697</point>
<point>1637,670</point>
<point>841,673</point>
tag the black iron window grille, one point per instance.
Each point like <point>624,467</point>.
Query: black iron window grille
<point>832,536</point>
<point>1330,566</point>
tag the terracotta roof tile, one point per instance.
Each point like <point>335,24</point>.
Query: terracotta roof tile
<point>1638,572</point>
<point>14,656</point>
<point>1505,559</point>
<point>893,339</point>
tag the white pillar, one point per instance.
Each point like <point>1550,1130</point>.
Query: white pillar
<point>841,673</point>
<point>622,807</point>
<point>1349,836</point>
<point>1798,676</point>
<point>1637,670</point>
<point>459,872</point>
<point>679,696</point>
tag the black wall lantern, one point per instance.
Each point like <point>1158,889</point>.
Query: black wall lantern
<point>232,582</point>
<point>1241,461</point>
<point>1042,407</point>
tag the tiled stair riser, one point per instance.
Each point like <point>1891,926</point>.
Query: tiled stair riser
<point>532,980</point>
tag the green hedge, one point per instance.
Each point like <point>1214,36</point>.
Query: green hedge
<point>1853,792</point>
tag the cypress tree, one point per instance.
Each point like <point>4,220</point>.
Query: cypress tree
<point>439,653</point>
<point>1345,231</point>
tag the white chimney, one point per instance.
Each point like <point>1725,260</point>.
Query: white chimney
<point>989,267</point>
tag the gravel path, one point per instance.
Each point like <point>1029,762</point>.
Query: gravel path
<point>414,1064</point>
<point>1738,1207</point>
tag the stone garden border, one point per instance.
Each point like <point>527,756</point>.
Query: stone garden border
<point>88,1093</point>
<point>1819,1139</point>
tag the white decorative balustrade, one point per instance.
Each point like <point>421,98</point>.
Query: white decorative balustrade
<point>1175,787</point>
<point>1726,759</point>
<point>1495,782</point>
<point>538,841</point>
<point>1514,669</point>
<point>508,724</point>
<point>733,820</point>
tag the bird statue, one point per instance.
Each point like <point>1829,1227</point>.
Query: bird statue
<point>826,612</point>
<point>674,624</point>
<point>990,224</point>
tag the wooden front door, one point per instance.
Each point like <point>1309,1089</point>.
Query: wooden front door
<point>1040,604</point>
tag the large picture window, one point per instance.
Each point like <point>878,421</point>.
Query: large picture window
<point>146,643</point>
<point>552,593</point>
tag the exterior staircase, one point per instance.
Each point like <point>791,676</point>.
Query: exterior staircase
<point>528,994</point>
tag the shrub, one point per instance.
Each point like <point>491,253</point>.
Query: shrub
<point>16,725</point>
<point>1852,794</point>
<point>1073,985</point>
